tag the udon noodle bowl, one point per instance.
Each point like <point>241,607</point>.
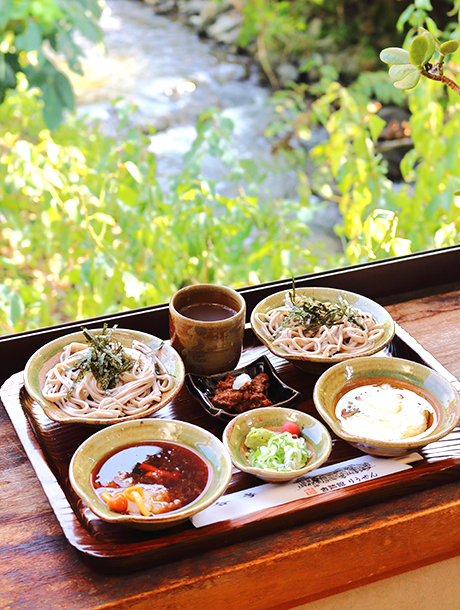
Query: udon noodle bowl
<point>304,326</point>
<point>145,383</point>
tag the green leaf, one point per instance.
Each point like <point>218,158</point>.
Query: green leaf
<point>57,95</point>
<point>418,50</point>
<point>65,91</point>
<point>104,218</point>
<point>404,17</point>
<point>457,193</point>
<point>401,247</point>
<point>94,6</point>
<point>134,171</point>
<point>448,47</point>
<point>376,125</point>
<point>31,39</point>
<point>9,66</point>
<point>6,12</point>
<point>400,72</point>
<point>431,47</point>
<point>423,4</point>
<point>395,56</point>
<point>409,82</point>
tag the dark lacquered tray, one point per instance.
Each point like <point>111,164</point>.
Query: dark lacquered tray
<point>114,549</point>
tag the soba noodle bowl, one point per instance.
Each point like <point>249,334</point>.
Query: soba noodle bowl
<point>347,331</point>
<point>134,393</point>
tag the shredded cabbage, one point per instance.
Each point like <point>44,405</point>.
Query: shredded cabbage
<point>282,452</point>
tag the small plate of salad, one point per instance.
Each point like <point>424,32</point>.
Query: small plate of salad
<point>277,444</point>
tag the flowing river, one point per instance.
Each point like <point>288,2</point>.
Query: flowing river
<point>171,76</point>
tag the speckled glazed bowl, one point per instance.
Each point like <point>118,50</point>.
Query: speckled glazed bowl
<point>360,371</point>
<point>316,434</point>
<point>318,364</point>
<point>48,355</point>
<point>108,440</point>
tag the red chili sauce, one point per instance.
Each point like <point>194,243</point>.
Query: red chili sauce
<point>177,473</point>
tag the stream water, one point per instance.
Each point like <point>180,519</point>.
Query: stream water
<point>172,76</point>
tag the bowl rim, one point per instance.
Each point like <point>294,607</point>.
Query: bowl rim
<point>178,515</point>
<point>386,319</point>
<point>222,414</point>
<point>51,348</point>
<point>419,440</point>
<point>266,473</point>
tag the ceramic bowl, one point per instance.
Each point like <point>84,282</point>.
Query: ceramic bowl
<point>318,364</point>
<point>203,388</point>
<point>334,382</point>
<point>48,355</point>
<point>316,434</point>
<point>105,442</point>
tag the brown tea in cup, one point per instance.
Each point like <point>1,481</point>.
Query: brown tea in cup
<point>206,327</point>
<point>207,312</point>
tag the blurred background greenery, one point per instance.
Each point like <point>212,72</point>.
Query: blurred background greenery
<point>87,229</point>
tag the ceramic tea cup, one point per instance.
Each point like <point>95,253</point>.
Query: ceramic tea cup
<point>206,327</point>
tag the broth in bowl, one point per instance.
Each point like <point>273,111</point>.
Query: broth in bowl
<point>150,478</point>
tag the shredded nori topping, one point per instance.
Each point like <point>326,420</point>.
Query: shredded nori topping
<point>312,314</point>
<point>106,359</point>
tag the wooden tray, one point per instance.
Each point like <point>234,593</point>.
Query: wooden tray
<point>114,549</point>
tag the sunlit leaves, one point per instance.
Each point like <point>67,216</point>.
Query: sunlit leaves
<point>402,69</point>
<point>31,27</point>
<point>419,50</point>
<point>134,171</point>
<point>449,47</point>
<point>409,81</point>
<point>399,72</point>
<point>406,67</point>
<point>95,233</point>
<point>395,56</point>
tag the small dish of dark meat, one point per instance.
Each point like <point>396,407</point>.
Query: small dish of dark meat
<point>228,394</point>
<point>251,395</point>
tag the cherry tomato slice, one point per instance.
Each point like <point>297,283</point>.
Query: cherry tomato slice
<point>292,428</point>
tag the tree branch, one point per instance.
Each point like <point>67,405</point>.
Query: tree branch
<point>443,79</point>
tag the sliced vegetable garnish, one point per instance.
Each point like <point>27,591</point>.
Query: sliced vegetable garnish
<point>282,453</point>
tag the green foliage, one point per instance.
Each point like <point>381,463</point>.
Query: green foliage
<point>406,67</point>
<point>85,228</point>
<point>33,34</point>
<point>307,31</point>
<point>380,218</point>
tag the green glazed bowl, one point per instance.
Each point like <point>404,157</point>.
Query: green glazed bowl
<point>318,440</point>
<point>47,356</point>
<point>108,440</point>
<point>335,381</point>
<point>318,364</point>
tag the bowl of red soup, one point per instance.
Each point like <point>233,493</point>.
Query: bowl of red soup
<point>387,406</point>
<point>150,473</point>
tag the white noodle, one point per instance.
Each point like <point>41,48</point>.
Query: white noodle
<point>134,393</point>
<point>344,337</point>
